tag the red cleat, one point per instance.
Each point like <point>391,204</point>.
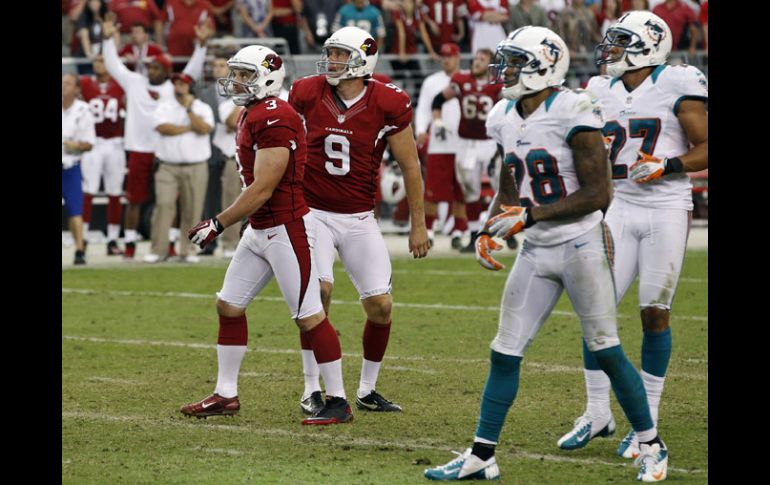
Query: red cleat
<point>213,405</point>
<point>130,250</point>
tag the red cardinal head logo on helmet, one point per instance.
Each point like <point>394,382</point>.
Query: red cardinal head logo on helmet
<point>272,62</point>
<point>369,46</point>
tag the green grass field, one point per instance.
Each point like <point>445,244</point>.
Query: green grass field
<point>138,342</point>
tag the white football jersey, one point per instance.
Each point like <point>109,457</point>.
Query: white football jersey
<point>645,119</point>
<point>538,154</point>
<point>450,114</point>
<point>143,98</point>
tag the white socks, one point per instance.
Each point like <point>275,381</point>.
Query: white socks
<point>311,372</point>
<point>598,392</point>
<point>653,385</point>
<point>229,358</point>
<point>332,374</point>
<point>369,372</point>
<point>131,235</point>
<point>113,231</point>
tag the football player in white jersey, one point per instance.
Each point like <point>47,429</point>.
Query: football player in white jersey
<point>657,128</point>
<point>555,182</point>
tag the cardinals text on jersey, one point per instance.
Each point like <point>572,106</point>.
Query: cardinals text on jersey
<point>345,145</point>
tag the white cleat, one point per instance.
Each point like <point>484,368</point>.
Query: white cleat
<point>629,447</point>
<point>465,467</point>
<point>652,462</point>
<point>585,430</point>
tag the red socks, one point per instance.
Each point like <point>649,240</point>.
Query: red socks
<point>375,340</point>
<point>233,330</point>
<point>325,342</point>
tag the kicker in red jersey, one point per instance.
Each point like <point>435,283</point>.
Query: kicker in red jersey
<point>345,144</point>
<point>271,123</point>
<point>477,97</point>
<point>107,103</point>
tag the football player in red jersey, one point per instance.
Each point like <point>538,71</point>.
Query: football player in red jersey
<point>476,96</point>
<point>107,159</point>
<point>349,117</point>
<point>271,154</point>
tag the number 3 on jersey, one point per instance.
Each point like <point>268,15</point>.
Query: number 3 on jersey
<point>547,185</point>
<point>337,147</point>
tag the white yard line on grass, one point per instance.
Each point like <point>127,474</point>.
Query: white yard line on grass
<point>112,380</point>
<point>336,439</point>
<point>226,451</point>
<point>539,366</point>
<point>480,273</point>
<point>432,306</point>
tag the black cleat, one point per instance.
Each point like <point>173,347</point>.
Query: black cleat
<point>113,249</point>
<point>457,242</point>
<point>512,243</point>
<point>336,410</point>
<point>312,404</point>
<point>80,257</point>
<point>375,402</point>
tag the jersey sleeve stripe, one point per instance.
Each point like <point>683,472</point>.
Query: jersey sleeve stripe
<point>579,129</point>
<point>686,98</point>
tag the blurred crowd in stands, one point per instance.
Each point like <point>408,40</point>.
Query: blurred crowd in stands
<point>157,38</point>
<point>402,27</point>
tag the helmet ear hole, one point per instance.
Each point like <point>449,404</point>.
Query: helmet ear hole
<point>269,82</point>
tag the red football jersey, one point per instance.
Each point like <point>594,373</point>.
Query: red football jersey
<point>107,103</point>
<point>270,123</point>
<point>477,97</point>
<point>445,14</point>
<point>345,145</point>
<point>383,78</point>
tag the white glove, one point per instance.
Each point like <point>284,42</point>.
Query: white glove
<point>513,219</point>
<point>439,129</point>
<point>205,232</point>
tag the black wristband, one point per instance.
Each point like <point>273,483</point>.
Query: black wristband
<point>530,219</point>
<point>483,233</point>
<point>673,165</point>
<point>217,225</point>
<point>438,101</point>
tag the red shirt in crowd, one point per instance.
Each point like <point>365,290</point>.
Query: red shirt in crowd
<point>445,14</point>
<point>290,19</point>
<point>130,12</point>
<point>677,19</point>
<point>182,17</point>
<point>411,31</point>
